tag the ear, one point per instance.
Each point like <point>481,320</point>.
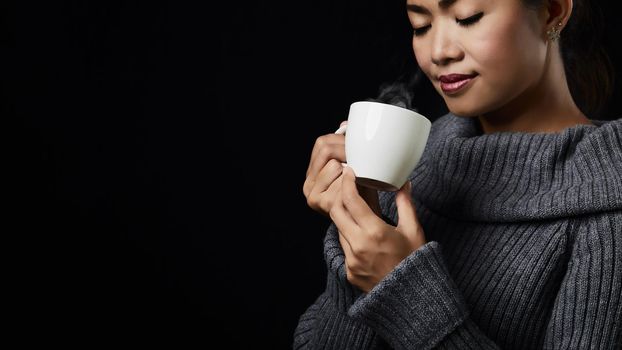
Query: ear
<point>558,11</point>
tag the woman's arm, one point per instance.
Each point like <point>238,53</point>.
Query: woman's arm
<point>419,306</point>
<point>326,324</point>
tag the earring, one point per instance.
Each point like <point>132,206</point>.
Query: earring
<point>554,32</point>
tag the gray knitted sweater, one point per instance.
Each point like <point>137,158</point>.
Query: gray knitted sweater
<point>524,249</point>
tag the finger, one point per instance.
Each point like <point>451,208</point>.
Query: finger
<point>326,139</point>
<point>349,257</point>
<point>327,147</point>
<point>342,219</point>
<point>346,247</point>
<point>327,176</point>
<point>406,211</point>
<point>342,127</point>
<point>321,181</point>
<point>361,213</point>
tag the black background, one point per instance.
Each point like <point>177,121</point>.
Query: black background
<point>160,155</point>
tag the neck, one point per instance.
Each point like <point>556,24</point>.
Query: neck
<point>546,106</point>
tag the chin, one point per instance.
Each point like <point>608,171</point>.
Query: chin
<point>468,105</point>
<point>463,112</point>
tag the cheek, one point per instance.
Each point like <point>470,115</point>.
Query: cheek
<point>506,52</point>
<point>492,47</point>
<point>422,56</point>
<point>495,60</point>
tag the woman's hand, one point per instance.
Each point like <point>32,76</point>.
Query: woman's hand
<point>372,247</point>
<point>325,168</point>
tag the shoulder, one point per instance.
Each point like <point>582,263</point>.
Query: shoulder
<point>604,129</point>
<point>599,232</point>
<point>600,146</point>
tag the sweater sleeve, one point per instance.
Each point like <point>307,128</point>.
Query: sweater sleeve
<point>429,310</point>
<point>326,324</point>
<point>418,305</point>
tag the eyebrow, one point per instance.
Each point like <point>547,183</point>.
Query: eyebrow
<point>444,4</point>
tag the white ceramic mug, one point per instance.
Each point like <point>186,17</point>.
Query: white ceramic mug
<point>384,143</point>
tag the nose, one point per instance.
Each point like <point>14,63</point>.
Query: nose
<point>445,47</point>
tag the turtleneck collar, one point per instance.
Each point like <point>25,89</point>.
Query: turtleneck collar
<point>516,176</point>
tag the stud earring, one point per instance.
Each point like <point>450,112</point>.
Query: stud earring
<point>554,32</point>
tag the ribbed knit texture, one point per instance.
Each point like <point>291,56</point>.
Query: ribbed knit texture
<point>524,249</point>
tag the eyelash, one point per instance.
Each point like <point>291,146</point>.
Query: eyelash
<point>463,22</point>
<point>470,20</point>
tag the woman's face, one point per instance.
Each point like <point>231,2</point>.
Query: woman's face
<point>480,55</point>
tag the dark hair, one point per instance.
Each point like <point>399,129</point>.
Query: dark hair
<point>587,65</point>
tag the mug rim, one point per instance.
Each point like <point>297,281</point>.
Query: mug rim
<point>415,113</point>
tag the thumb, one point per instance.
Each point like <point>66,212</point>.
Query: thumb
<point>407,215</point>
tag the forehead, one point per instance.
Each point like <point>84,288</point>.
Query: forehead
<point>429,6</point>
<point>422,6</point>
<point>440,3</point>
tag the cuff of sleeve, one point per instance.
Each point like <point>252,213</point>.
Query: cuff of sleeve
<point>416,305</point>
<point>341,292</point>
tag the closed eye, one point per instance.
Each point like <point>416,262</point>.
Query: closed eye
<point>463,22</point>
<point>421,30</point>
<point>470,20</point>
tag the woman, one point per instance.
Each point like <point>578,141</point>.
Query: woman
<point>509,232</point>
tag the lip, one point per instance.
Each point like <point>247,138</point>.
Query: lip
<point>453,83</point>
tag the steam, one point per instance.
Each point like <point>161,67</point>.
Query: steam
<point>399,92</point>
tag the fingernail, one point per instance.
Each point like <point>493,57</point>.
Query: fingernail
<point>347,169</point>
<point>341,130</point>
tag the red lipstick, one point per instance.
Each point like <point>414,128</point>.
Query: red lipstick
<point>452,83</point>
